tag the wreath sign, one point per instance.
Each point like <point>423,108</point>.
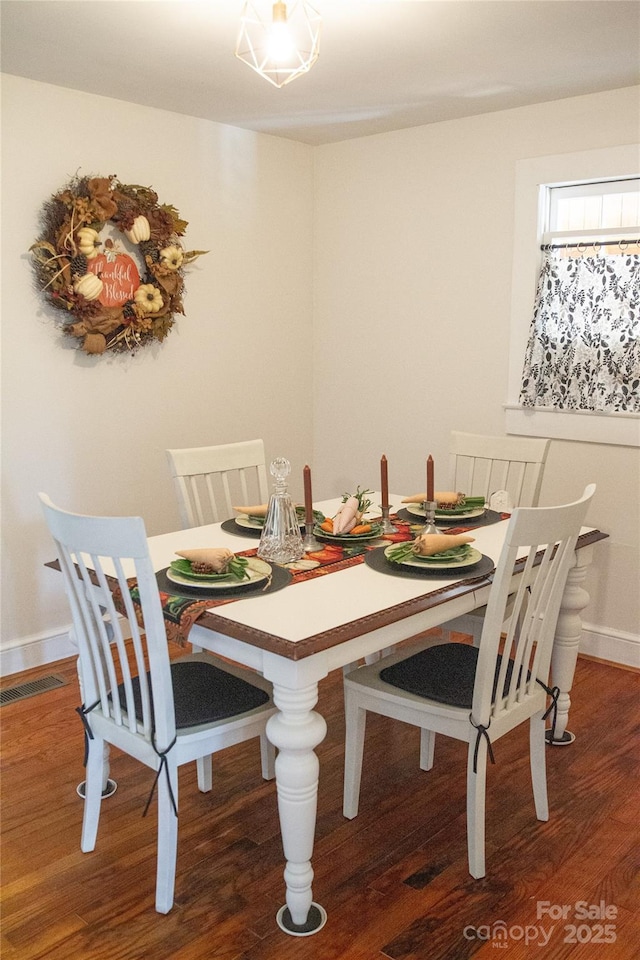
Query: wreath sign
<point>112,300</point>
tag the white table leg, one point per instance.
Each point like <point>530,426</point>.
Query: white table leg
<point>567,640</point>
<point>296,730</point>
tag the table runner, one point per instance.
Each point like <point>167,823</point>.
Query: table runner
<point>180,613</point>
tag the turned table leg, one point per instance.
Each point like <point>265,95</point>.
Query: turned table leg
<point>567,640</point>
<point>296,730</point>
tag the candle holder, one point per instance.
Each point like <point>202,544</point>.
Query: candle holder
<point>309,543</point>
<point>387,526</point>
<point>430,517</point>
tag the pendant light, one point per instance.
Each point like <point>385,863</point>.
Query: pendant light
<point>284,47</point>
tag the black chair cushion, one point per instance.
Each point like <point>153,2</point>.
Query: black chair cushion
<point>444,673</point>
<point>203,693</point>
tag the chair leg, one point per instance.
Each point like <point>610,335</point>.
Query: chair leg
<point>267,757</point>
<point>538,761</point>
<point>476,789</point>
<point>205,775</point>
<point>355,721</point>
<point>167,839</point>
<point>427,746</point>
<point>92,794</point>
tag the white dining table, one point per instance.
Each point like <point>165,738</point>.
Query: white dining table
<point>297,635</point>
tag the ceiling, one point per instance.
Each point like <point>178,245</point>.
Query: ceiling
<point>384,64</point>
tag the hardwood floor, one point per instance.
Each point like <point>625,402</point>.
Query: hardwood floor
<point>394,881</point>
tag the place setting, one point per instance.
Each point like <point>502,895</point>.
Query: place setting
<point>449,507</point>
<point>353,522</point>
<point>216,573</point>
<point>433,553</point>
<point>251,519</point>
<point>470,511</point>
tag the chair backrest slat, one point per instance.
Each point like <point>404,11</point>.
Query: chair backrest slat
<point>543,539</point>
<point>480,465</point>
<point>210,481</point>
<point>98,555</point>
<point>197,509</point>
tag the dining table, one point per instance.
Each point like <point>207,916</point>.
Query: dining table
<point>328,618</point>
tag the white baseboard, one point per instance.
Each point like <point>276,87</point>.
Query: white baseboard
<point>35,652</point>
<point>622,648</point>
<point>38,651</point>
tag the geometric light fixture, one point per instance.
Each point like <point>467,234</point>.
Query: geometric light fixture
<point>285,46</point>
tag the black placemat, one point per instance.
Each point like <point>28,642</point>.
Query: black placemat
<point>230,526</point>
<point>378,562</point>
<point>279,578</point>
<point>487,518</point>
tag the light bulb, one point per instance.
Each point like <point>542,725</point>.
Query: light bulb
<point>280,43</point>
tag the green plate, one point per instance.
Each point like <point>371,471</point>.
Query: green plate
<point>183,569</point>
<point>456,558</point>
<point>458,513</point>
<point>257,569</point>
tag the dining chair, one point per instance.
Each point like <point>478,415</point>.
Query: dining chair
<point>208,478</point>
<point>162,712</point>
<point>480,465</point>
<point>478,694</point>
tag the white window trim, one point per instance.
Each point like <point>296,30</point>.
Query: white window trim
<point>531,176</point>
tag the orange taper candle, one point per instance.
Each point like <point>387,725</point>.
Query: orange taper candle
<point>430,478</point>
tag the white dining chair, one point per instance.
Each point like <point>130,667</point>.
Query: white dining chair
<point>162,712</point>
<point>481,465</point>
<point>209,481</point>
<point>478,694</point>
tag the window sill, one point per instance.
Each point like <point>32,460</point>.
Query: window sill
<point>618,429</point>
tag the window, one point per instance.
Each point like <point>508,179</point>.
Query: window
<point>576,272</point>
<point>583,351</point>
<point>592,211</point>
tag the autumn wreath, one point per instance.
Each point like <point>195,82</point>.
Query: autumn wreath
<point>110,258</point>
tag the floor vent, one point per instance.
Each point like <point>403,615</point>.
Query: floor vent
<point>30,689</point>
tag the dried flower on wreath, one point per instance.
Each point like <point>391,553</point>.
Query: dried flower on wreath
<point>114,294</point>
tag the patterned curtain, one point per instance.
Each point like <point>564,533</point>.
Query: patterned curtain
<point>583,351</point>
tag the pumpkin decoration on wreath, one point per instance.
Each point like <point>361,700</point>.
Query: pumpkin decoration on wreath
<point>112,301</point>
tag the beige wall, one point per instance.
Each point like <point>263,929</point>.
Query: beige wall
<point>372,276</point>
<point>413,258</point>
<point>92,433</point>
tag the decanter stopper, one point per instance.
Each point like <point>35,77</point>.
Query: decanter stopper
<point>281,540</point>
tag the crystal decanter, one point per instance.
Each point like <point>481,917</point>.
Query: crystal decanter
<point>281,540</point>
